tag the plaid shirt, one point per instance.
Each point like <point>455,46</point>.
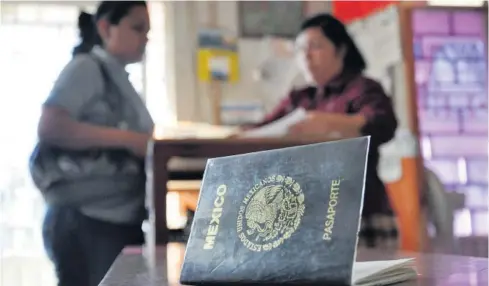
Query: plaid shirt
<point>352,94</point>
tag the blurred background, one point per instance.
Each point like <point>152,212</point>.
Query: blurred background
<point>431,57</point>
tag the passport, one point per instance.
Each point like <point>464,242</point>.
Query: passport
<point>284,216</point>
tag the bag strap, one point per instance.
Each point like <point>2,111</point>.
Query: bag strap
<point>110,88</point>
<point>103,70</point>
<point>107,80</point>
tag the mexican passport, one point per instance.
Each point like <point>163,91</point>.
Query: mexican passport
<point>285,216</point>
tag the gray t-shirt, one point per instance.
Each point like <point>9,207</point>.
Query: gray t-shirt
<point>79,90</point>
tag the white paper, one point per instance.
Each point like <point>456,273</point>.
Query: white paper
<point>356,28</point>
<point>378,38</point>
<point>219,67</point>
<point>383,272</point>
<point>194,130</point>
<point>277,128</point>
<point>386,36</point>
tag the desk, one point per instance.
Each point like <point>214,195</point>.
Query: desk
<point>163,150</point>
<point>131,269</point>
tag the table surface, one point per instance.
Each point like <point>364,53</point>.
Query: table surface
<point>132,269</point>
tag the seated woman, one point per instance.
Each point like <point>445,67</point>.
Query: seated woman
<point>342,103</point>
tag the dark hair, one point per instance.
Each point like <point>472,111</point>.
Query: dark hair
<point>88,34</point>
<point>112,11</point>
<point>336,32</point>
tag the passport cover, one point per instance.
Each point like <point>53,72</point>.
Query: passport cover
<point>285,216</point>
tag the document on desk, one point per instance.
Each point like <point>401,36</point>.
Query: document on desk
<point>277,128</point>
<point>194,130</point>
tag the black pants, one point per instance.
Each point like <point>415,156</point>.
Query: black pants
<point>82,248</point>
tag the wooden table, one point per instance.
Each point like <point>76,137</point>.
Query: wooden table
<point>132,269</point>
<point>163,150</point>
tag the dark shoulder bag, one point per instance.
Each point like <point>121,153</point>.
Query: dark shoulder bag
<point>50,166</point>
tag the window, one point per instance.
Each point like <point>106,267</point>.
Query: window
<point>40,40</point>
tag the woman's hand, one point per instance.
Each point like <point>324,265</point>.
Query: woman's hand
<point>137,143</point>
<point>334,125</point>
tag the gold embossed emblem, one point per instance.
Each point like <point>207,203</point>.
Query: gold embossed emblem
<point>270,213</point>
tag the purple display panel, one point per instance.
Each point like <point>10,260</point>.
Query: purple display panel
<point>451,78</point>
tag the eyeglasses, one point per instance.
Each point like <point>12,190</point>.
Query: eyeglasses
<point>311,46</point>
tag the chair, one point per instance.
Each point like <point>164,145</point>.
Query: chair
<point>440,207</point>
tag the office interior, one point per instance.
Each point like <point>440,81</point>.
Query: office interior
<point>430,56</point>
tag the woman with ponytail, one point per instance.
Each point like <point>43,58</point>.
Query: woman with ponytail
<point>93,135</point>
<point>88,34</point>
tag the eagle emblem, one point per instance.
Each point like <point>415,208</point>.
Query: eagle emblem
<point>271,213</point>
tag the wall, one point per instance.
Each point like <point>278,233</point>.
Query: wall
<point>184,18</point>
<point>190,98</point>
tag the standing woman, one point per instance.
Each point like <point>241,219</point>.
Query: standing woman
<point>93,135</point>
<point>343,103</point>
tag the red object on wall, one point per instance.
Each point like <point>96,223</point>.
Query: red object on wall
<point>349,11</point>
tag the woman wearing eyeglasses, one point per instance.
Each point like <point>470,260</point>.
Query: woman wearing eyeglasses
<point>343,103</point>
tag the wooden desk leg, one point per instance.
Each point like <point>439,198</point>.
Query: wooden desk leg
<point>160,179</point>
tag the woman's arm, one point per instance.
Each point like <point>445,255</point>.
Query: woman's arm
<point>376,108</point>
<point>373,115</point>
<point>56,127</point>
<point>79,82</point>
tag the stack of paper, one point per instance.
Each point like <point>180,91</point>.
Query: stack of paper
<point>383,272</point>
<point>277,128</point>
